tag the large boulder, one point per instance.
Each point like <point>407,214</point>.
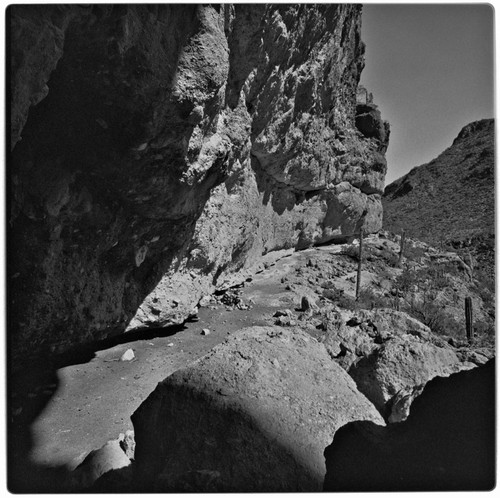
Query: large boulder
<point>353,335</point>
<point>109,457</point>
<point>397,367</point>
<point>157,149</point>
<point>390,355</point>
<point>255,414</point>
<point>446,444</point>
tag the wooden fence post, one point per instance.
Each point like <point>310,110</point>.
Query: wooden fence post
<point>468,318</point>
<point>358,281</point>
<point>401,249</point>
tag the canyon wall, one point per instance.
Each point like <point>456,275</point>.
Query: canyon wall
<point>157,150</point>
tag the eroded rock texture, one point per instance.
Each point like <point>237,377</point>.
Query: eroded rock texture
<point>255,414</point>
<point>391,356</point>
<point>156,149</point>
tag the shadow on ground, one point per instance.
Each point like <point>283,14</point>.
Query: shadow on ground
<point>29,392</point>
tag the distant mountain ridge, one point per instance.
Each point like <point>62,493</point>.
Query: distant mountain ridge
<point>450,200</point>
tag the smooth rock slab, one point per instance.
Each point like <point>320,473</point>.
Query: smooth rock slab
<point>255,414</point>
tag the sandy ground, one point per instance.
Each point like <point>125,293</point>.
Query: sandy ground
<point>62,414</point>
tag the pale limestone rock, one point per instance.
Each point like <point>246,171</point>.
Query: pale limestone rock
<point>127,355</point>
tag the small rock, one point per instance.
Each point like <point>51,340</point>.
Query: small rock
<point>286,312</point>
<point>354,321</point>
<point>128,355</point>
<point>401,403</point>
<point>205,301</point>
<point>127,443</point>
<point>170,344</point>
<point>285,321</point>
<point>307,304</point>
<point>140,255</point>
<point>205,332</point>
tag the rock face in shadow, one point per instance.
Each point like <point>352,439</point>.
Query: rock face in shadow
<point>157,149</point>
<point>255,414</point>
<point>446,444</point>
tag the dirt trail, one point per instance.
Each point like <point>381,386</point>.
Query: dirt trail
<point>59,414</point>
<point>94,399</point>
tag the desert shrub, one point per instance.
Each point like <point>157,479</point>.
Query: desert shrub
<point>339,298</point>
<point>413,253</point>
<point>484,286</point>
<point>482,328</point>
<point>484,333</point>
<point>332,293</point>
<point>434,276</point>
<point>433,315</point>
<point>347,302</point>
<point>351,250</point>
<point>406,281</point>
<point>368,299</point>
<point>328,284</point>
<point>389,257</point>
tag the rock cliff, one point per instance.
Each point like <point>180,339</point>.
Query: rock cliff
<point>155,150</point>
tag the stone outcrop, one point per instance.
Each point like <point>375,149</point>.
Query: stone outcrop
<point>255,414</point>
<point>390,356</point>
<point>157,149</point>
<point>446,444</point>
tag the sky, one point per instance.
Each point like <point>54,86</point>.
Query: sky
<point>431,71</point>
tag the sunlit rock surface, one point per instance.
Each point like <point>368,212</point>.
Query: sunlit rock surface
<point>255,414</point>
<point>157,149</point>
